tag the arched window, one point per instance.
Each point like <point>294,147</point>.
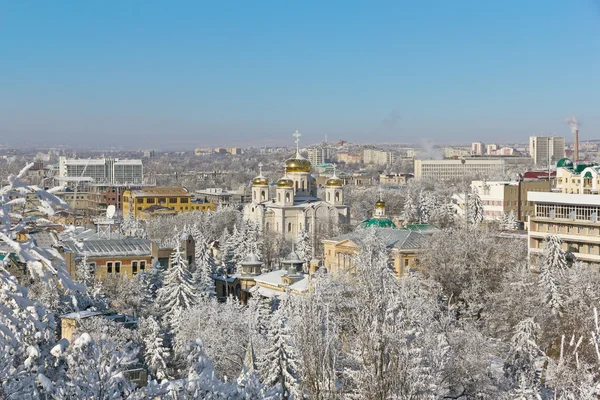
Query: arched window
<point>328,196</point>
<point>262,195</point>
<point>267,226</point>
<point>337,196</point>
<point>303,184</point>
<point>289,226</point>
<point>279,197</point>
<point>287,197</point>
<point>296,186</point>
<point>254,195</point>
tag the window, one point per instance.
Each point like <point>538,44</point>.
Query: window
<point>109,266</point>
<point>406,262</point>
<point>162,200</point>
<point>134,267</point>
<point>139,201</point>
<point>142,265</point>
<point>117,267</point>
<point>262,194</point>
<point>150,200</point>
<point>337,196</point>
<point>184,200</point>
<point>289,226</point>
<point>172,199</point>
<point>287,197</point>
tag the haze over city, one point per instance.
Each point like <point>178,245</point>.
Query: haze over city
<point>187,74</point>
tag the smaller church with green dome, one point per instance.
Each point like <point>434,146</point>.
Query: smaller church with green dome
<point>379,219</point>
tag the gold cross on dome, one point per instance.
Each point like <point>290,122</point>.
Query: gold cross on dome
<point>260,165</point>
<point>297,135</point>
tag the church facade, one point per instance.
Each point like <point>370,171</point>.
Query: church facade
<point>296,206</point>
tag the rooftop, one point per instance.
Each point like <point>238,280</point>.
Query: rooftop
<point>392,238</point>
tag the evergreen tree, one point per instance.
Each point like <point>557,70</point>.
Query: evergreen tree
<point>226,253</point>
<point>84,273</point>
<point>279,364</point>
<point>205,269</point>
<point>475,207</point>
<point>552,271</point>
<point>525,359</point>
<point>178,292</point>
<point>411,210</point>
<point>511,221</point>
<point>304,248</point>
<point>156,353</point>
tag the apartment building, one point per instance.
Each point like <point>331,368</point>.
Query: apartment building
<point>572,217</point>
<point>170,199</point>
<point>319,155</point>
<point>349,158</point>
<point>471,167</point>
<point>500,197</point>
<point>546,150</point>
<point>477,148</point>
<point>103,170</point>
<point>378,157</point>
<point>394,179</point>
<point>450,152</point>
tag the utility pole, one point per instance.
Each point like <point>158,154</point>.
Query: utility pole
<point>463,162</point>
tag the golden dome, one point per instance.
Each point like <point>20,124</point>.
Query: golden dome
<point>285,182</point>
<point>298,164</point>
<point>334,181</point>
<point>380,204</point>
<point>260,181</point>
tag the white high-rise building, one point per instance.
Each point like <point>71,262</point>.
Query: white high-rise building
<point>477,148</point>
<point>103,170</point>
<point>319,155</point>
<point>546,150</point>
<point>378,157</point>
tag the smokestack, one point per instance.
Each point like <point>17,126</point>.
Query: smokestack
<point>576,150</point>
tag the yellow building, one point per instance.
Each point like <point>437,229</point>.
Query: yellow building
<point>161,199</point>
<point>403,245</point>
<point>577,178</point>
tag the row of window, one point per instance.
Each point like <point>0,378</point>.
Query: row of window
<point>556,228</point>
<point>114,267</point>
<point>171,200</point>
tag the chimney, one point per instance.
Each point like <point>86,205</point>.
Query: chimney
<point>576,150</point>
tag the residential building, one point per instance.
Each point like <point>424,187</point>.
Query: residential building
<point>573,218</point>
<point>546,150</point>
<point>203,151</point>
<point>378,157</point>
<point>491,148</point>
<point>501,197</point>
<point>103,170</point>
<point>349,158</point>
<point>580,178</point>
<point>471,167</point>
<point>477,148</point>
<point>394,179</point>
<point>319,154</point>
<point>178,199</point>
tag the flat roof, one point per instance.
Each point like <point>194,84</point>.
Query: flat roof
<point>564,198</point>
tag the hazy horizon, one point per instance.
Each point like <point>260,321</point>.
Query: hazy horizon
<point>193,74</point>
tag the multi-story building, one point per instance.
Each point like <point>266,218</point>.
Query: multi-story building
<point>319,155</point>
<point>394,179</point>
<point>491,148</point>
<point>176,199</point>
<point>468,167</point>
<point>378,157</point>
<point>103,170</point>
<point>573,218</point>
<point>577,178</point>
<point>450,152</point>
<point>223,196</point>
<point>477,148</point>
<point>546,150</point>
<point>501,197</point>
<point>203,151</point>
<point>349,158</point>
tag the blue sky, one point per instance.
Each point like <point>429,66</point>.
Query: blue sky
<point>193,73</point>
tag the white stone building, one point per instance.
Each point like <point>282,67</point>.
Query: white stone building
<point>296,206</point>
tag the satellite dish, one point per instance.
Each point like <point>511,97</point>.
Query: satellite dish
<point>110,211</point>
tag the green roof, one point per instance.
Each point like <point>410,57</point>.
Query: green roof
<point>378,223</point>
<point>564,163</point>
<point>422,228</point>
<point>588,175</point>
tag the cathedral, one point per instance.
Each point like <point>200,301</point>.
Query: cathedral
<point>296,206</point>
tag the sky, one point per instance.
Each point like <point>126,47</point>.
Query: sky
<point>185,74</point>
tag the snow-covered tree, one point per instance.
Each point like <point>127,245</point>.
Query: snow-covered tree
<point>84,272</point>
<point>304,248</point>
<point>131,226</point>
<point>155,352</point>
<point>475,210</point>
<point>280,363</point>
<point>177,293</point>
<point>411,209</point>
<point>204,268</point>
<point>525,359</point>
<point>96,369</point>
<point>552,271</point>
<point>226,251</point>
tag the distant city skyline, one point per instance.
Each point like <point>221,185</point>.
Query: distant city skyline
<point>198,74</point>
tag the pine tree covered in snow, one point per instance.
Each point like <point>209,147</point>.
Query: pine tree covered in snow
<point>475,207</point>
<point>84,272</point>
<point>304,248</point>
<point>279,364</point>
<point>204,268</point>
<point>131,226</point>
<point>155,352</point>
<point>411,209</point>
<point>525,359</point>
<point>177,292</point>
<point>552,270</point>
<point>226,251</point>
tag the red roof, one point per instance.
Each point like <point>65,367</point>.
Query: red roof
<point>539,175</point>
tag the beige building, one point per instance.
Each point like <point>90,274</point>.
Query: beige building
<point>349,158</point>
<point>404,245</point>
<point>475,166</point>
<point>160,200</point>
<point>572,217</point>
<point>394,179</point>
<point>577,178</point>
<point>378,157</point>
<point>450,152</point>
<point>477,148</point>
<point>500,197</point>
<point>546,149</point>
